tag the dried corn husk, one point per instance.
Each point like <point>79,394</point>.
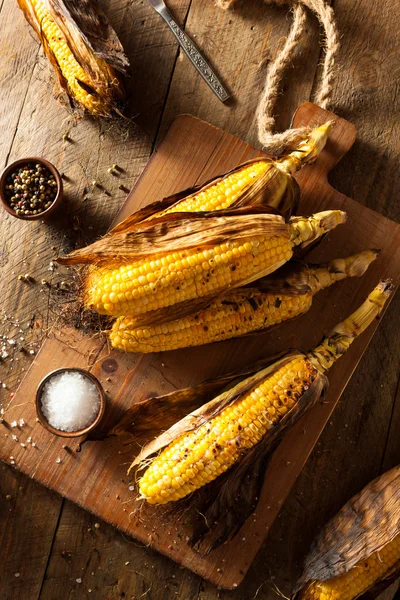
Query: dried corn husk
<point>133,240</point>
<point>368,522</point>
<point>94,45</point>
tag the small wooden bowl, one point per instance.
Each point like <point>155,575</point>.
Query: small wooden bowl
<point>59,432</point>
<point>19,163</point>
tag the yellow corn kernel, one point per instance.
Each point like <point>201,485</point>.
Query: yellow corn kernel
<point>358,579</point>
<point>198,457</point>
<point>236,315</point>
<point>223,194</point>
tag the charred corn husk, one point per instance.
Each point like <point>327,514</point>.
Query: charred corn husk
<point>202,453</point>
<point>241,311</point>
<point>359,549</point>
<point>83,49</point>
<point>265,181</point>
<point>204,268</point>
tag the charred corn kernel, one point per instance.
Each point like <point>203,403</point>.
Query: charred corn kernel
<point>240,312</point>
<point>198,457</point>
<point>204,271</point>
<point>358,579</point>
<point>67,63</point>
<point>224,319</point>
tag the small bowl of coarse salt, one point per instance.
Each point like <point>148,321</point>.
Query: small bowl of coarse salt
<point>70,402</point>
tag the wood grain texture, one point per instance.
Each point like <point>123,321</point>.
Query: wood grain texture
<point>33,122</point>
<point>96,477</point>
<point>365,93</point>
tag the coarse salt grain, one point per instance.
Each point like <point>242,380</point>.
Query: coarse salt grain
<point>21,422</point>
<point>70,401</point>
<point>13,423</point>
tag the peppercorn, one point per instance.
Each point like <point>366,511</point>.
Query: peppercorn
<point>30,190</point>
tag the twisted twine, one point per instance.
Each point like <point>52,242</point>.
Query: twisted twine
<point>276,142</point>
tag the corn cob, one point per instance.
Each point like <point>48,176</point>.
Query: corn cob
<point>198,457</point>
<point>79,55</point>
<point>241,311</point>
<point>271,177</point>
<point>358,550</point>
<point>162,280</point>
<point>357,580</point>
<point>263,180</point>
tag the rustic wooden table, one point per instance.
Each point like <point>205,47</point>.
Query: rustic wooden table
<point>58,550</point>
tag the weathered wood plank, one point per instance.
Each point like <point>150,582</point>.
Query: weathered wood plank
<point>28,515</point>
<point>33,122</point>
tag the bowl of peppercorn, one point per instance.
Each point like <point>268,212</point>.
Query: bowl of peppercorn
<point>30,188</point>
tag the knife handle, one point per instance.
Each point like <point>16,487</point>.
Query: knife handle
<point>195,56</point>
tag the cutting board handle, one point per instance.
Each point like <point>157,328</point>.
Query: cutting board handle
<point>340,140</point>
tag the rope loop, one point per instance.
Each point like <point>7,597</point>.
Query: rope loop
<point>271,140</point>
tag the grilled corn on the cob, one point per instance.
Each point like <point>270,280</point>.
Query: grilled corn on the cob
<point>164,279</point>
<point>196,458</point>
<point>262,181</point>
<point>357,580</point>
<point>358,551</point>
<point>265,180</point>
<point>241,311</point>
<point>83,49</point>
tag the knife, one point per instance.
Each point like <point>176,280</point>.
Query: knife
<point>191,51</point>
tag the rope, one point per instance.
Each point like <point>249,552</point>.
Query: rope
<point>276,142</point>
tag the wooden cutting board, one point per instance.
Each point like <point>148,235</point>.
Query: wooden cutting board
<point>95,478</point>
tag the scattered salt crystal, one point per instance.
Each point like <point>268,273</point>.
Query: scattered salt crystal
<point>4,385</point>
<point>21,422</point>
<point>34,444</point>
<point>14,424</point>
<point>12,462</point>
<point>131,488</point>
<point>127,563</point>
<point>16,574</point>
<point>31,352</point>
<point>14,437</point>
<point>79,580</point>
<point>58,460</point>
<point>29,440</point>
<point>70,401</point>
<point>97,525</point>
<point>11,342</point>
<point>1,411</point>
<point>23,445</point>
